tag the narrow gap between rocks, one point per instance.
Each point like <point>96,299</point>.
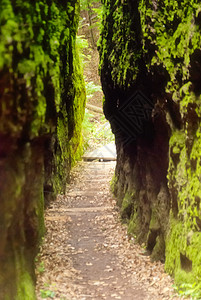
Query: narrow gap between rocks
<point>86,252</point>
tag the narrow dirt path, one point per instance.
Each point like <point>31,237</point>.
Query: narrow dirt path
<point>86,252</point>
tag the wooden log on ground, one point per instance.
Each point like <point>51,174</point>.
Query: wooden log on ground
<point>94,108</point>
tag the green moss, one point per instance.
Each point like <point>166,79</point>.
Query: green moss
<point>194,253</point>
<point>26,288</point>
<point>69,127</point>
<point>120,48</point>
<point>165,37</point>
<point>185,179</point>
<point>134,225</point>
<point>154,222</point>
<point>127,205</point>
<point>186,243</point>
<point>159,249</point>
<point>39,210</point>
<point>175,243</point>
<point>42,106</point>
<point>79,108</point>
<point>113,184</point>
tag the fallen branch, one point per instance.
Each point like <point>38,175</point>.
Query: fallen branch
<point>94,108</point>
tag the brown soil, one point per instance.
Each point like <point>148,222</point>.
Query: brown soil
<point>86,252</point>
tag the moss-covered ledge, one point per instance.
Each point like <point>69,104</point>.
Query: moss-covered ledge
<point>42,100</point>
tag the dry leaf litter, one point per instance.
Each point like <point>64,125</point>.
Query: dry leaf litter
<point>86,253</point>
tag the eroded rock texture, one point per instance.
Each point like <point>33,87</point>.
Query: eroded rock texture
<point>41,109</point>
<point>152,48</point>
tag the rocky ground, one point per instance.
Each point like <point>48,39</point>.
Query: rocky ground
<point>86,252</point>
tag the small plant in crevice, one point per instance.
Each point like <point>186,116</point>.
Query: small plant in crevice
<point>41,267</point>
<point>47,294</point>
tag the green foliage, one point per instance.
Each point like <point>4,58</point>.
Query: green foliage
<point>103,133</point>
<point>189,290</point>
<point>87,129</point>
<point>98,11</point>
<point>47,294</point>
<point>94,12</point>
<point>82,44</point>
<point>91,88</point>
<point>41,267</point>
<point>96,131</point>
<point>87,4</point>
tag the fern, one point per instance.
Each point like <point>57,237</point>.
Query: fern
<point>91,88</point>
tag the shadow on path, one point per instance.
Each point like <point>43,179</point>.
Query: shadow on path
<point>86,252</point>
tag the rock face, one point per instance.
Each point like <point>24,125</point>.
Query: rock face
<point>42,100</point>
<point>150,65</point>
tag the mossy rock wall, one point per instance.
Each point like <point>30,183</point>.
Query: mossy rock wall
<point>154,47</point>
<point>42,100</point>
